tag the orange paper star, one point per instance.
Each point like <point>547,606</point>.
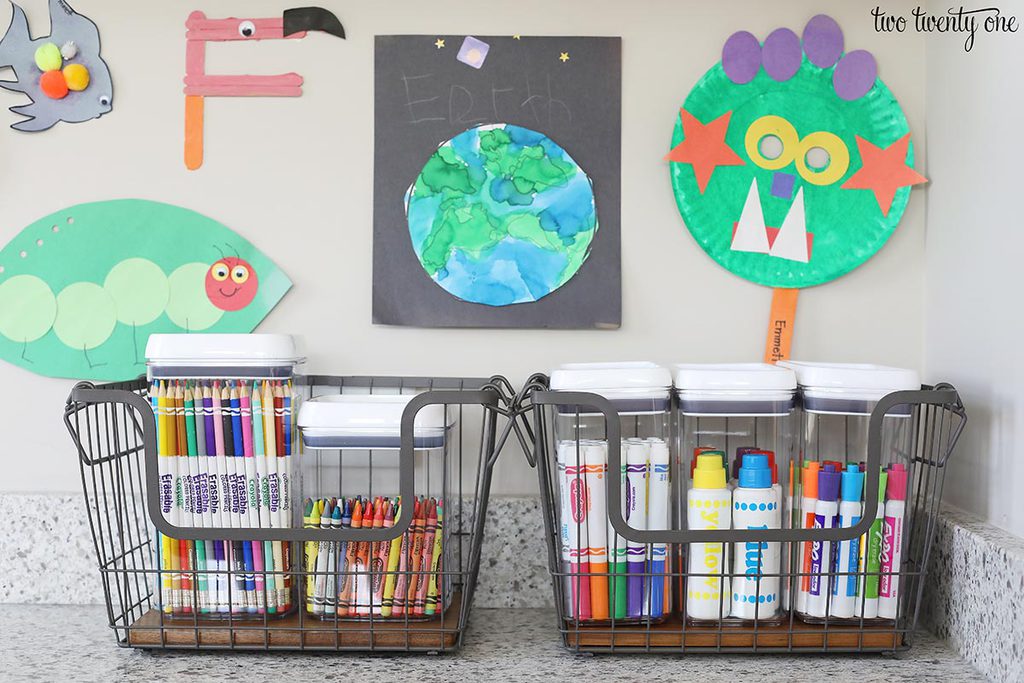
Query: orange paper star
<point>883,171</point>
<point>703,147</point>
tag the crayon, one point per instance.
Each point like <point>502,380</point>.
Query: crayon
<point>309,554</point>
<point>415,555</point>
<point>429,532</point>
<point>433,590</point>
<point>380,558</point>
<point>320,594</point>
<point>394,553</point>
<point>332,562</point>
<point>348,594</point>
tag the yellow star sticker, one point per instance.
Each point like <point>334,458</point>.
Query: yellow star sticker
<point>516,37</point>
<point>439,42</point>
<point>564,57</point>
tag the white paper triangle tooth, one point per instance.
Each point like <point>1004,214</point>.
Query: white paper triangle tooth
<point>751,234</point>
<point>791,242</point>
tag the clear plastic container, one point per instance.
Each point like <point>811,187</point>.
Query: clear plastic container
<point>728,411</point>
<point>837,400</point>
<point>225,407</point>
<point>607,577</point>
<point>351,479</point>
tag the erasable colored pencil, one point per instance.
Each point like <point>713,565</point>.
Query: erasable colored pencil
<point>186,547</point>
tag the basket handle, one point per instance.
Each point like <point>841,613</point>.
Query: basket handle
<point>613,434</point>
<point>406,480</point>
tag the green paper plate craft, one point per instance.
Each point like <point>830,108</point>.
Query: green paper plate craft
<point>791,161</point>
<point>82,289</point>
<point>62,73</point>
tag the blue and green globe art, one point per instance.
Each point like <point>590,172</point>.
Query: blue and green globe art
<point>501,215</point>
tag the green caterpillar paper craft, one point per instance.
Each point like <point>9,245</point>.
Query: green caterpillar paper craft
<point>791,160</point>
<point>82,289</point>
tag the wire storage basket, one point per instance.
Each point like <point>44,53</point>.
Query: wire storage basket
<point>400,581</point>
<point>909,432</point>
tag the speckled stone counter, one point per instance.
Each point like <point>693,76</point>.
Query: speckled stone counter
<point>58,643</point>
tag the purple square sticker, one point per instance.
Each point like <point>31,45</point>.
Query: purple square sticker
<point>782,185</point>
<point>473,52</point>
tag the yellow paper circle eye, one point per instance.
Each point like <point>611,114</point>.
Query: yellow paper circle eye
<point>781,129</point>
<point>219,271</point>
<point>240,274</point>
<point>838,158</point>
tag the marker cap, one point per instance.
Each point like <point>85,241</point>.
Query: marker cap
<point>809,479</point>
<point>709,473</point>
<point>883,478</point>
<point>896,486</point>
<point>698,451</point>
<point>828,483</point>
<point>755,473</point>
<point>853,483</point>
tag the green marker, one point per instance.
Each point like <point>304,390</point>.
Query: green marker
<point>617,590</point>
<point>871,558</point>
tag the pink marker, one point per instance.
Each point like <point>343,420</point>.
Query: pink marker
<point>892,541</point>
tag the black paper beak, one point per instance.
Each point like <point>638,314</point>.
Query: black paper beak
<point>312,19</point>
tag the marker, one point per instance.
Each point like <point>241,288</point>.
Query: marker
<point>618,591</point>
<point>575,537</point>
<point>595,468</point>
<point>892,541</point>
<point>826,516</point>
<point>755,505</point>
<point>638,456</point>
<point>708,506</point>
<point>844,587</point>
<point>657,518</point>
<point>871,557</point>
<point>808,500</point>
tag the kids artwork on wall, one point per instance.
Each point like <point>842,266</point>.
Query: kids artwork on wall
<point>62,74</point>
<point>791,163</point>
<point>82,289</point>
<point>496,181</point>
<point>293,23</point>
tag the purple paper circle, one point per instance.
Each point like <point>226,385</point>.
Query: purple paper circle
<point>823,41</point>
<point>741,57</point>
<point>781,54</point>
<point>855,74</point>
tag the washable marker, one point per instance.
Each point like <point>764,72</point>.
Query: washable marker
<point>808,500</point>
<point>401,584</point>
<point>434,592</point>
<point>394,551</point>
<point>574,526</point>
<point>755,505</point>
<point>708,506</point>
<point>637,458</point>
<point>844,587</point>
<point>892,541</point>
<point>657,518</point>
<point>618,590</point>
<point>595,468</point>
<point>826,516</point>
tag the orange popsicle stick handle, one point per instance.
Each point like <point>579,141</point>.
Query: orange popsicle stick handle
<point>780,324</point>
<point>193,132</point>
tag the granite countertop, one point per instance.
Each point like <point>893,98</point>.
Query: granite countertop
<point>63,642</point>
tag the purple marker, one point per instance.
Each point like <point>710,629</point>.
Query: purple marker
<point>826,516</point>
<point>637,457</point>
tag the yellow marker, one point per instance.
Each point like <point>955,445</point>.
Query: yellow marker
<point>389,581</point>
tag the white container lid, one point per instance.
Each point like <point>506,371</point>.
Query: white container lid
<point>221,355</point>
<point>734,388</point>
<point>365,421</point>
<point>634,387</point>
<point>850,388</point>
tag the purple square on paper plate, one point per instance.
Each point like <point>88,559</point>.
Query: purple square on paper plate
<point>473,52</point>
<point>782,185</point>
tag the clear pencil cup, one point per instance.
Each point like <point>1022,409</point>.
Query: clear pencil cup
<point>351,479</point>
<point>605,576</point>
<point>724,413</point>
<point>857,579</point>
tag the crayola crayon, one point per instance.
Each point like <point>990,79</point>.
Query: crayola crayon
<point>394,553</point>
<point>434,592</point>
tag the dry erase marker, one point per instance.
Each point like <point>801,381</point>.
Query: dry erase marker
<point>826,516</point>
<point>844,587</point>
<point>808,500</point>
<point>708,506</point>
<point>892,541</point>
<point>871,557</point>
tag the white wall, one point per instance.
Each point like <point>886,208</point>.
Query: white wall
<point>974,313</point>
<point>294,176</point>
